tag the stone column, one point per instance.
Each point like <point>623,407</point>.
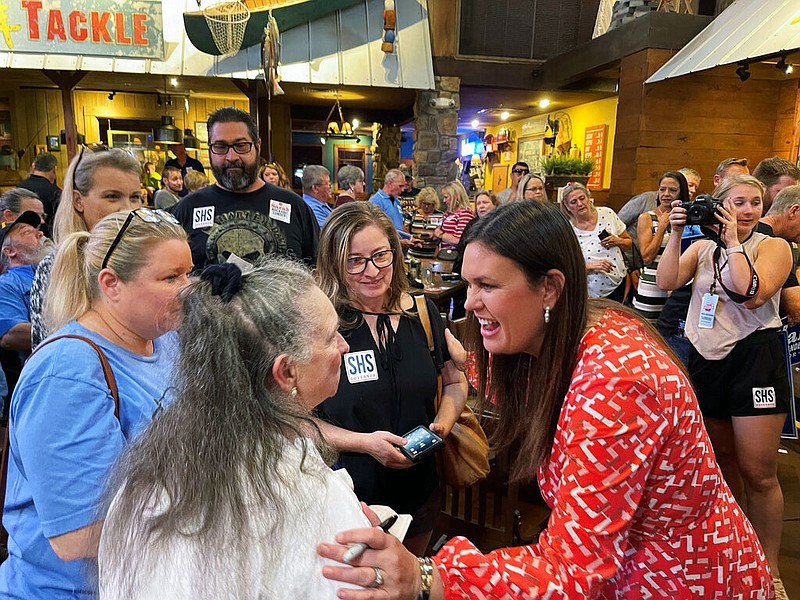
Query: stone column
<point>385,152</point>
<point>435,133</point>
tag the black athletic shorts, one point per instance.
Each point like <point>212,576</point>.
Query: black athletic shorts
<point>752,380</point>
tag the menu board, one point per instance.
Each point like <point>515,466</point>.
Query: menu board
<point>594,146</point>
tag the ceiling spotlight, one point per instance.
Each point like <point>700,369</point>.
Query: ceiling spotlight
<point>173,82</point>
<point>483,111</point>
<point>743,71</point>
<point>504,115</point>
<point>475,123</point>
<point>111,95</point>
<point>322,140</point>
<point>783,67</point>
<point>355,123</point>
<point>544,103</point>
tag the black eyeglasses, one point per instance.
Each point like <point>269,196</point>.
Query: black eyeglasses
<point>520,171</point>
<point>381,259</point>
<point>239,147</point>
<point>95,148</point>
<point>145,214</point>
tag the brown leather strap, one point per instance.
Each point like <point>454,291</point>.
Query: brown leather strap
<point>112,387</point>
<point>425,318</point>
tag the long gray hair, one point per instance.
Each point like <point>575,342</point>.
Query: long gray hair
<point>215,453</point>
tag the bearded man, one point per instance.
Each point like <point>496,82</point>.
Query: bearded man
<point>242,212</point>
<point>22,247</point>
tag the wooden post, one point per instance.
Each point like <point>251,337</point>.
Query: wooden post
<point>256,93</point>
<point>66,82</point>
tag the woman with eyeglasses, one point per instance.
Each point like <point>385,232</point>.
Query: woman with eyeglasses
<point>388,382</point>
<point>116,286</point>
<point>531,187</point>
<point>98,182</point>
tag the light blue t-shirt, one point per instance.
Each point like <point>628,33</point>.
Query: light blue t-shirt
<point>321,210</point>
<point>392,209</point>
<point>15,297</point>
<point>64,437</point>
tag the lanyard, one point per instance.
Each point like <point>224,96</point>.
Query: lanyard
<point>752,289</point>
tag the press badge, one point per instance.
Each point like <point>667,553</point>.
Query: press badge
<point>203,217</point>
<point>361,366</point>
<point>280,211</point>
<point>707,310</point>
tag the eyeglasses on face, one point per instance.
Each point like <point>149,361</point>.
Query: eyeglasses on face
<point>239,147</point>
<point>520,171</point>
<point>145,214</point>
<point>381,259</point>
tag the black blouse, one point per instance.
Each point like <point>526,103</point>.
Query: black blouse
<point>388,386</point>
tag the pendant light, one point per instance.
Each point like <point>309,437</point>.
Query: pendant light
<point>189,141</point>
<point>168,133</point>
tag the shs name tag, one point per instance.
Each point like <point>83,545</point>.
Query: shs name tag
<point>361,366</point>
<point>203,217</point>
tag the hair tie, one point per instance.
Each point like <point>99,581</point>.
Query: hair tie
<point>226,280</point>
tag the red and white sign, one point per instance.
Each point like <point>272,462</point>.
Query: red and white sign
<point>594,146</point>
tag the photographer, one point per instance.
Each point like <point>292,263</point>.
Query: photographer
<point>736,361</point>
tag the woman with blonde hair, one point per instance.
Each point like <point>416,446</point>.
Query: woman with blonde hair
<point>736,358</point>
<point>98,182</point>
<point>273,173</point>
<point>458,214</point>
<point>603,239</point>
<point>117,288</point>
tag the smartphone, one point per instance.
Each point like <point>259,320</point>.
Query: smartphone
<point>603,234</point>
<point>419,442</point>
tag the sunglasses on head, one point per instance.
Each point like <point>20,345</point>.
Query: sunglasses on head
<point>145,214</point>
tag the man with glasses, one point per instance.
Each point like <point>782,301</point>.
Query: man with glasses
<point>518,171</point>
<point>317,191</point>
<point>242,214</point>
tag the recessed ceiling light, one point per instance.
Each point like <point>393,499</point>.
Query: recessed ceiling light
<point>173,82</point>
<point>504,115</point>
<point>475,123</point>
<point>544,103</point>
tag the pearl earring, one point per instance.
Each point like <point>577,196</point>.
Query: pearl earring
<point>546,314</point>
<point>293,393</point>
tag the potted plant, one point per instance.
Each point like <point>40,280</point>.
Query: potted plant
<point>560,169</point>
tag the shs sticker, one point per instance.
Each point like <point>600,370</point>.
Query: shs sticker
<point>361,366</point>
<point>764,397</point>
<point>203,217</point>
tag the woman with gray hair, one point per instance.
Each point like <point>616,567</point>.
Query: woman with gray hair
<point>351,183</point>
<point>98,182</point>
<point>227,494</point>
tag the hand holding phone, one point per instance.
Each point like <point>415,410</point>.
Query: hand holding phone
<point>419,442</point>
<point>603,234</point>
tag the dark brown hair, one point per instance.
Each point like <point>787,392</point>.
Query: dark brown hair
<point>528,390</point>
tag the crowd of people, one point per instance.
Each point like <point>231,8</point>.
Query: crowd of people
<point>216,388</point>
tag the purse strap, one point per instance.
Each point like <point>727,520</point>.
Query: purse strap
<point>111,381</point>
<point>425,319</point>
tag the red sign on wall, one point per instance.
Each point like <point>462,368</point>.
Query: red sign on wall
<point>594,146</point>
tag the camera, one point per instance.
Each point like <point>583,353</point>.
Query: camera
<point>702,211</point>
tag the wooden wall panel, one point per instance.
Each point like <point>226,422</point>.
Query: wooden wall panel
<point>694,121</point>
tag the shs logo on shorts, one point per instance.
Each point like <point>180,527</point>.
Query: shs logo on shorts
<point>764,397</point>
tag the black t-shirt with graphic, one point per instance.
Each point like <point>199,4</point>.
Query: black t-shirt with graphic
<point>269,221</point>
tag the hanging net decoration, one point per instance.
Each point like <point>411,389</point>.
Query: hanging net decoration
<point>227,22</point>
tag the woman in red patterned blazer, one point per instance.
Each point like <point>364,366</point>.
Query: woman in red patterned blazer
<point>608,423</point>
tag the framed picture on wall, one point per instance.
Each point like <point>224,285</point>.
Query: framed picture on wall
<point>201,131</point>
<point>53,143</point>
<point>531,150</point>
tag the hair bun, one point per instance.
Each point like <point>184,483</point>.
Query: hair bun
<point>225,279</point>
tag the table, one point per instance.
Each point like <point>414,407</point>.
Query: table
<point>441,294</point>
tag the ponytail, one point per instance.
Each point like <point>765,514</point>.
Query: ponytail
<point>72,286</point>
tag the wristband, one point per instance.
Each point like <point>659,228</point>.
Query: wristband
<point>426,576</point>
<point>734,249</point>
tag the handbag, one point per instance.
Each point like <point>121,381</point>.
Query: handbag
<point>464,459</point>
<point>112,387</point>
